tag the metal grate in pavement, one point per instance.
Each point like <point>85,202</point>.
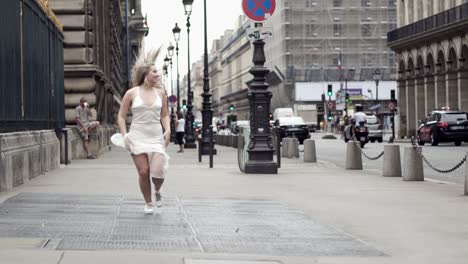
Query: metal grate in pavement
<point>211,225</point>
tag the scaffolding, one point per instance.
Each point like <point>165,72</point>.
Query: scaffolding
<point>314,34</point>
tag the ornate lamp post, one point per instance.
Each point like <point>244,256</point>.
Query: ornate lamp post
<point>176,32</point>
<point>189,138</point>
<point>165,71</point>
<point>260,148</point>
<point>170,52</point>
<point>207,112</point>
<point>348,76</point>
<point>377,76</point>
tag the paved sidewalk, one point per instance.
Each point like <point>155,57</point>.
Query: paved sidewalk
<point>308,213</point>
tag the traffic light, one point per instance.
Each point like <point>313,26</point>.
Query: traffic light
<point>184,104</point>
<point>270,116</point>
<point>231,107</point>
<point>347,98</point>
<point>330,118</point>
<point>392,94</point>
<point>330,90</point>
<point>323,98</point>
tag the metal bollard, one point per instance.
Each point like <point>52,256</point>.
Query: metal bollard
<point>284,147</point>
<point>309,151</point>
<point>392,161</point>
<point>466,178</point>
<point>278,147</point>
<point>235,143</point>
<point>353,157</point>
<point>211,146</point>
<point>414,170</point>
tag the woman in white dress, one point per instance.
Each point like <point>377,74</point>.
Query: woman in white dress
<point>147,139</point>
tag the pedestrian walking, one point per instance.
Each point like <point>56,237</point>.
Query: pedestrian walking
<point>85,126</point>
<point>180,131</point>
<point>147,139</point>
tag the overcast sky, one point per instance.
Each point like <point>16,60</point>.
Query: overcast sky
<point>163,14</point>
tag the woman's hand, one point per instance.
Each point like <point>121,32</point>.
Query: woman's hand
<point>167,137</point>
<point>128,144</point>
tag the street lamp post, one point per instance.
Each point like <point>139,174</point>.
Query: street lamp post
<point>189,138</point>
<point>176,32</point>
<point>207,112</point>
<point>260,148</point>
<point>170,52</point>
<point>165,72</point>
<point>377,76</point>
<point>348,75</point>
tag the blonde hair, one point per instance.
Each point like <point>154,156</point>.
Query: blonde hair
<point>142,66</point>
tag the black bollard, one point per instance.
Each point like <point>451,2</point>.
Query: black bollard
<point>211,146</point>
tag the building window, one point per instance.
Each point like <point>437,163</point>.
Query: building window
<point>337,3</point>
<point>132,7</point>
<point>337,29</point>
<point>365,30</point>
<point>310,30</point>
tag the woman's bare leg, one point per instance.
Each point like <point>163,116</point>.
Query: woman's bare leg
<point>142,165</point>
<point>158,161</point>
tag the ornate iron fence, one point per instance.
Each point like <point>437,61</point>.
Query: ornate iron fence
<point>31,68</point>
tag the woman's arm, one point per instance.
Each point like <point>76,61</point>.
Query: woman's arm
<point>165,118</point>
<point>126,101</point>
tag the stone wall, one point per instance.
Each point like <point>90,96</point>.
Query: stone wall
<point>99,142</point>
<point>25,155</point>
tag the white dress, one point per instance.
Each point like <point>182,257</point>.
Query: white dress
<point>146,134</point>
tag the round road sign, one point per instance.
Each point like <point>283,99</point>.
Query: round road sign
<point>172,99</point>
<point>258,10</point>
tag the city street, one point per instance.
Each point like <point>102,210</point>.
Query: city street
<point>444,156</point>
<point>91,211</point>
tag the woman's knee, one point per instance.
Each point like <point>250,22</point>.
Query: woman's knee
<point>143,172</point>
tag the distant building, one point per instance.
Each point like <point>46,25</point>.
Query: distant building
<point>311,41</point>
<point>95,52</point>
<point>431,47</point>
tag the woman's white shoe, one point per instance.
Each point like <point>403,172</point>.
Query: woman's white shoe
<point>149,209</point>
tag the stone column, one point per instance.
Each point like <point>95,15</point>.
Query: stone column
<point>420,99</point>
<point>411,107</point>
<point>441,96</point>
<point>463,88</point>
<point>430,93</point>
<point>402,107</point>
<point>452,90</point>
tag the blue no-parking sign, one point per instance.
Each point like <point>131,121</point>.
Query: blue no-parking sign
<point>258,10</point>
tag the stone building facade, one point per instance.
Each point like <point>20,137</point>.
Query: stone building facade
<point>95,52</point>
<point>431,46</point>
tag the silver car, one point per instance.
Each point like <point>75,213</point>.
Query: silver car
<point>375,129</point>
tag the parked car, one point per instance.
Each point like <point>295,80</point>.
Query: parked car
<point>293,126</point>
<point>443,126</point>
<point>375,129</point>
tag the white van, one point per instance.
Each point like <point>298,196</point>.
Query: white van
<point>282,112</point>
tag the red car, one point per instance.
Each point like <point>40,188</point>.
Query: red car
<point>444,126</point>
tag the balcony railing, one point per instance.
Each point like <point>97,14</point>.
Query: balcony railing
<point>447,17</point>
